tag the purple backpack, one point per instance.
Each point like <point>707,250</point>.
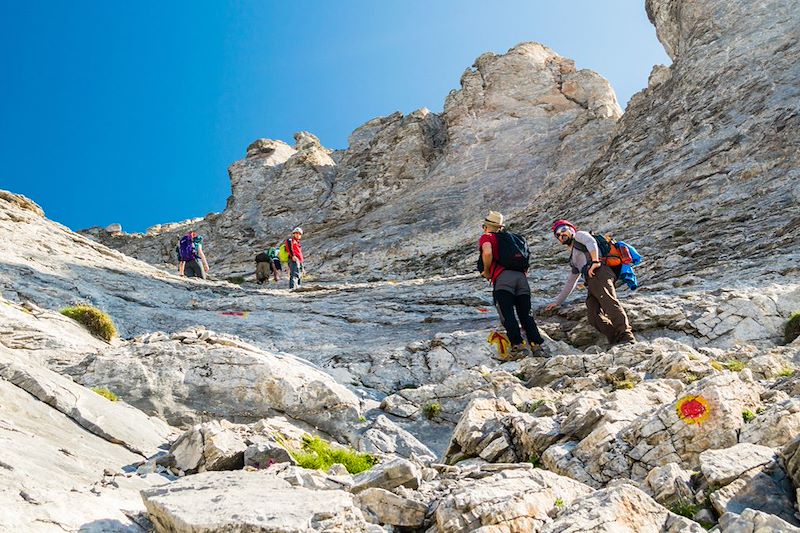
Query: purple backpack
<point>186,249</point>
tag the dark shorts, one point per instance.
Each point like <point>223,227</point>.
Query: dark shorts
<point>512,281</point>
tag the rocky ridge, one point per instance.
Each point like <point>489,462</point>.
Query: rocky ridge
<point>696,425</point>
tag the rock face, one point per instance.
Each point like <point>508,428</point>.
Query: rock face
<point>700,414</point>
<point>521,122</point>
<point>194,505</point>
<point>239,382</point>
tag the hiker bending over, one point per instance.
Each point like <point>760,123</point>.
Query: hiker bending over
<point>604,311</point>
<point>190,253</point>
<point>511,289</point>
<point>267,263</point>
<point>295,253</point>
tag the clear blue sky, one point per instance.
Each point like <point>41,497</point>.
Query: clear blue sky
<point>131,112</point>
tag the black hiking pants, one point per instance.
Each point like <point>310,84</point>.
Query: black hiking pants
<point>507,303</point>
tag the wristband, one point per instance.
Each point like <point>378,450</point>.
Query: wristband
<point>597,262</point>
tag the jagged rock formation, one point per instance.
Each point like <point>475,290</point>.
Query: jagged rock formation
<point>521,123</point>
<point>700,417</point>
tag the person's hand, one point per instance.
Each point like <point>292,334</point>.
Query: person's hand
<point>206,267</point>
<point>592,269</point>
<point>550,307</point>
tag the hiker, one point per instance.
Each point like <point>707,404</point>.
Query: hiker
<point>604,311</point>
<point>190,253</point>
<point>294,253</point>
<point>267,263</point>
<point>511,289</point>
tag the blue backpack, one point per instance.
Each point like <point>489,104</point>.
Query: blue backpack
<point>186,249</point>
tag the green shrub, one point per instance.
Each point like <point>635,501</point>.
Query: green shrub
<point>236,280</point>
<point>317,454</point>
<point>748,415</point>
<point>786,372</point>
<point>96,321</point>
<point>105,393</point>
<point>625,384</point>
<point>533,406</point>
<point>432,410</point>
<point>684,508</point>
<point>535,460</point>
<point>735,366</point>
<point>792,329</point>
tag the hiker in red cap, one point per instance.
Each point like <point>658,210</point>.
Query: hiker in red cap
<point>604,311</point>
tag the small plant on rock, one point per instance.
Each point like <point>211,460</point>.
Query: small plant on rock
<point>716,365</point>
<point>362,418</point>
<point>96,321</point>
<point>735,366</point>
<point>535,460</point>
<point>317,454</point>
<point>792,329</point>
<point>105,393</point>
<point>748,415</point>
<point>432,410</point>
<point>786,372</point>
<point>684,508</point>
<point>559,502</point>
<point>624,384</point>
<point>533,406</point>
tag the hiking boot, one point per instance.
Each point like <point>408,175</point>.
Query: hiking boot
<point>518,352</point>
<point>538,351</point>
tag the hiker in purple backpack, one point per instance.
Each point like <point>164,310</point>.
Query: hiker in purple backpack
<point>190,252</point>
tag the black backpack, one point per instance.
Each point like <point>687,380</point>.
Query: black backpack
<point>512,251</point>
<point>262,258</point>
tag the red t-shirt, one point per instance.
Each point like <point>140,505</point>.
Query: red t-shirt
<point>496,267</point>
<point>296,250</point>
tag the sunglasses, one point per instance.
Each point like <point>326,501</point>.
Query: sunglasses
<point>563,231</point>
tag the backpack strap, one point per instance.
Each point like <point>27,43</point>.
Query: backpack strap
<point>289,248</point>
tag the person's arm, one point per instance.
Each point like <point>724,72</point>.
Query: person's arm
<point>202,257</point>
<point>486,255</point>
<point>569,286</point>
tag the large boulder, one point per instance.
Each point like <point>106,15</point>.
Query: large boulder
<point>248,501</point>
<point>198,373</point>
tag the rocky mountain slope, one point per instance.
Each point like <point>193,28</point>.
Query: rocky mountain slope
<point>223,385</point>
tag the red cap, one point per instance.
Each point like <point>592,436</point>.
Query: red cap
<point>562,222</point>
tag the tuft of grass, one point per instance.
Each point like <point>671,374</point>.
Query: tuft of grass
<point>748,415</point>
<point>535,460</point>
<point>786,372</point>
<point>716,365</point>
<point>625,384</point>
<point>520,376</point>
<point>792,329</point>
<point>533,406</point>
<point>105,393</point>
<point>317,454</point>
<point>96,321</point>
<point>432,410</point>
<point>684,508</point>
<point>362,418</point>
<point>236,280</point>
<point>559,502</point>
<point>690,377</point>
<point>735,366</point>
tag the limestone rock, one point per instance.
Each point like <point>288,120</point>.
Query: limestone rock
<point>669,484</point>
<point>621,508</point>
<point>383,507</point>
<point>249,501</point>
<point>208,446</point>
<point>239,381</point>
<point>751,521</point>
<point>515,500</point>
<point>720,467</point>
<point>775,426</point>
<point>389,475</point>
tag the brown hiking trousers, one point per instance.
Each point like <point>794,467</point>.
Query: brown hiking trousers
<point>604,311</point>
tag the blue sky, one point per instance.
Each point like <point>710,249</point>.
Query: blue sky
<point>132,112</point>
